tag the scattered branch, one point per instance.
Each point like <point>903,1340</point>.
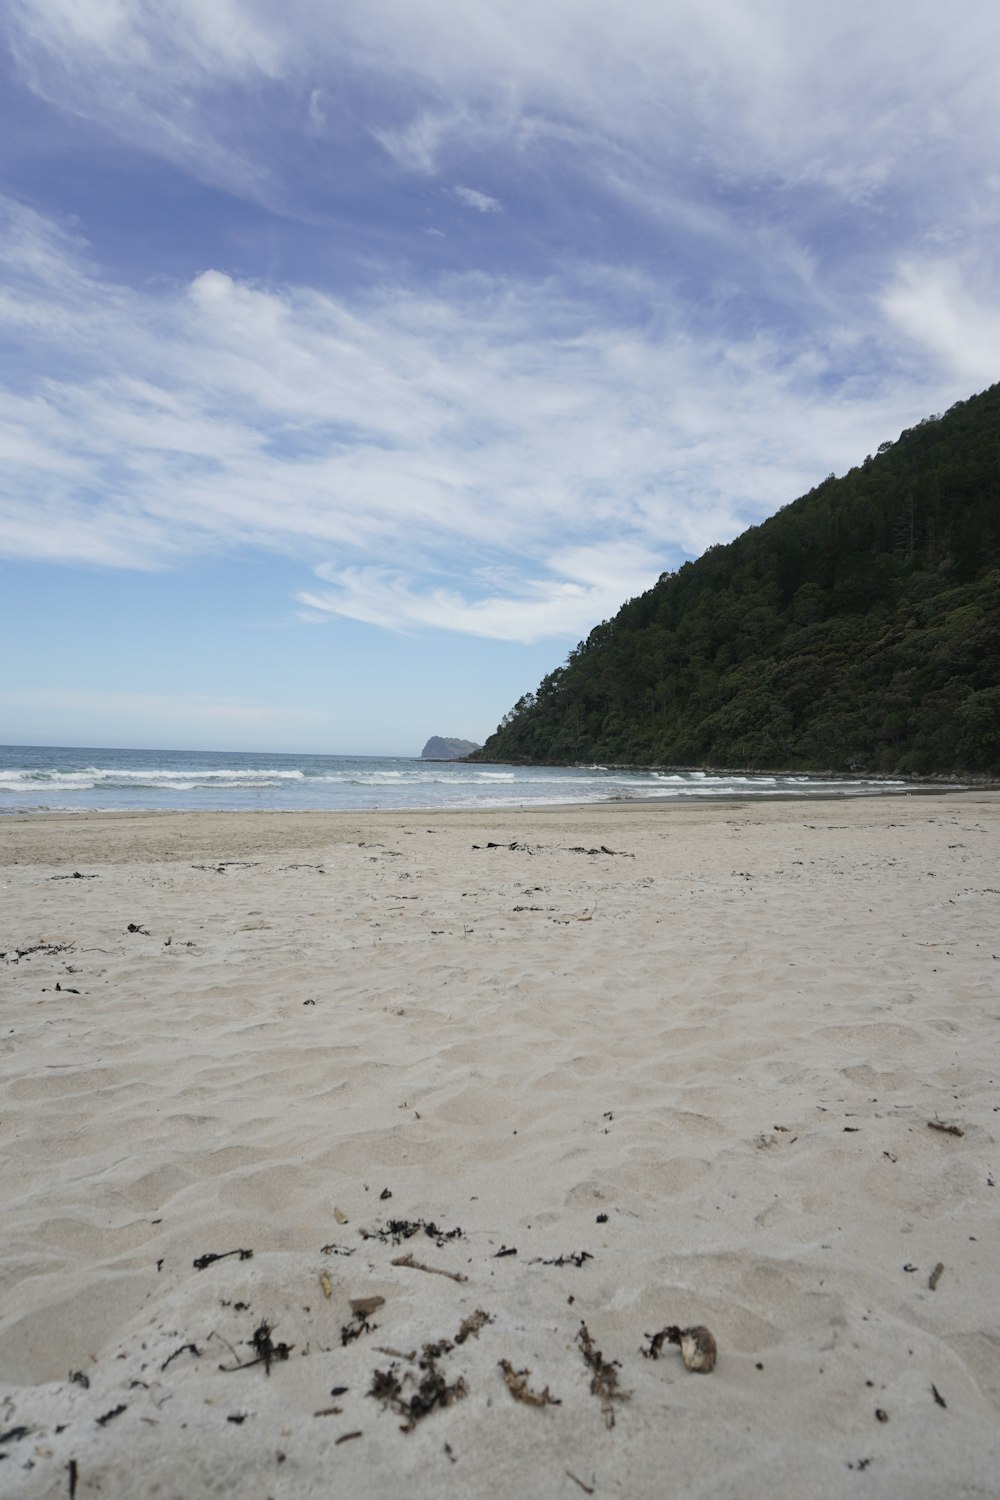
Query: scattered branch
<point>416,1265</point>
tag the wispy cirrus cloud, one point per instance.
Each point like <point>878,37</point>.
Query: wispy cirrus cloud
<point>944,309</point>
<point>852,102</point>
<point>581,585</point>
<point>725,249</point>
<point>411,448</point>
<point>481,202</point>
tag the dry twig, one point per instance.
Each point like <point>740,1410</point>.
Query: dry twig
<point>416,1265</point>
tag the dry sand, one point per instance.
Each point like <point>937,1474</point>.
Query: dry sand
<point>685,1062</point>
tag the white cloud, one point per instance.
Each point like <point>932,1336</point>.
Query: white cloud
<point>179,38</point>
<point>584,585</point>
<point>415,146</point>
<point>933,305</point>
<point>853,100</point>
<point>316,112</point>
<point>148,72</point>
<point>400,438</point>
<point>481,202</point>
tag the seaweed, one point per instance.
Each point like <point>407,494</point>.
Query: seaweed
<point>472,1325</point>
<point>170,1357</point>
<point>521,848</point>
<point>48,949</point>
<point>109,1416</point>
<point>574,1258</point>
<point>432,1389</point>
<point>353,1329</point>
<point>516,1382</point>
<point>579,849</point>
<point>397,1230</point>
<point>210,1258</point>
<point>604,1375</point>
<point>268,1353</point>
<point>223,865</point>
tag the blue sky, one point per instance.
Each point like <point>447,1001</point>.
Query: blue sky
<point>358,358</point>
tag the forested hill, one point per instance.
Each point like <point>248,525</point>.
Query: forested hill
<point>857,628</point>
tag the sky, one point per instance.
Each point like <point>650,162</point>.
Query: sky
<point>360,356</point>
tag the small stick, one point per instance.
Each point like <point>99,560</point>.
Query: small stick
<point>948,1129</point>
<point>416,1265</point>
<point>587,1488</point>
<point>935,1276</point>
<point>215,1335</point>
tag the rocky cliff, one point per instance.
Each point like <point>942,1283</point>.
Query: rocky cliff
<point>438,748</point>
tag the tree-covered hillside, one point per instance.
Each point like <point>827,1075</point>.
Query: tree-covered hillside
<point>857,628</point>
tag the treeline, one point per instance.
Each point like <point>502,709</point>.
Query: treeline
<point>858,628</point>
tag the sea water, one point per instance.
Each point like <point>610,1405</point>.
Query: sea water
<point>46,779</point>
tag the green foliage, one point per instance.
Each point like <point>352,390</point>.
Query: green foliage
<point>859,627</point>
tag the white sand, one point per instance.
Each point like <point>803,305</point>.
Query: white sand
<point>728,1037</point>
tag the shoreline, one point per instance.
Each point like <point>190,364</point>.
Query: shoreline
<point>972,778</point>
<point>334,820</point>
<point>637,1065</point>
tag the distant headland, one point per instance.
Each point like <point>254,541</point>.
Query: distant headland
<point>442,748</point>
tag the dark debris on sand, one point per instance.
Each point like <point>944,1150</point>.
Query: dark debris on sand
<point>397,1230</point>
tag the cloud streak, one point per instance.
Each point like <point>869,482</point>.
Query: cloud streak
<point>379,440</point>
<point>725,250</point>
<point>846,99</point>
<point>582,585</point>
<point>481,202</point>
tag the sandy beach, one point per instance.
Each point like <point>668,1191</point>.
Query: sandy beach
<point>369,1155</point>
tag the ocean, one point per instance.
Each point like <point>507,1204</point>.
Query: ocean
<point>38,778</point>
